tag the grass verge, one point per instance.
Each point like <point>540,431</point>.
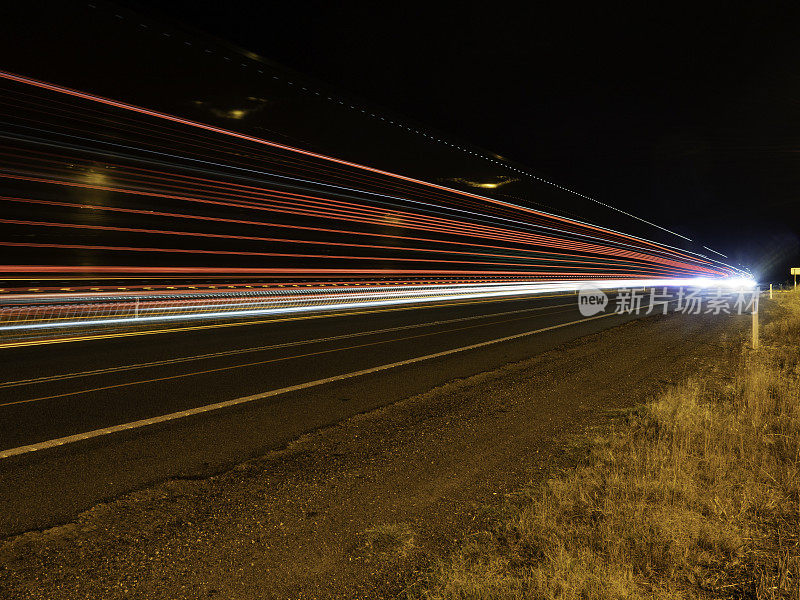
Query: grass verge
<point>695,495</point>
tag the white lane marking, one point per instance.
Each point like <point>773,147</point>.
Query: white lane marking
<point>285,390</point>
<point>170,361</point>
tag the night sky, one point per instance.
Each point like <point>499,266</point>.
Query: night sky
<point>687,117</point>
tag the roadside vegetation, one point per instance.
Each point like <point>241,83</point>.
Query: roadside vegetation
<point>695,495</point>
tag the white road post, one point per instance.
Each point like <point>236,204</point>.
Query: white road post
<point>770,291</point>
<point>755,319</point>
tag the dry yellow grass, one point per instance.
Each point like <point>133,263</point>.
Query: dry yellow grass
<point>693,496</point>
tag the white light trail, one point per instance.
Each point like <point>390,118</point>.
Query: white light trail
<point>342,299</point>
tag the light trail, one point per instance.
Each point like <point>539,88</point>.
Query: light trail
<point>256,140</point>
<point>109,201</point>
<point>128,312</point>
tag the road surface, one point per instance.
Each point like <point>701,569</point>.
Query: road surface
<point>308,372</point>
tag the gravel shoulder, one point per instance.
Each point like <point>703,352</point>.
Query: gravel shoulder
<point>359,509</point>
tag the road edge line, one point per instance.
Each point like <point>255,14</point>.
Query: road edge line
<point>78,437</point>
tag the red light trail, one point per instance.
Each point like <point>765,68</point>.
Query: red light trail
<point>102,195</point>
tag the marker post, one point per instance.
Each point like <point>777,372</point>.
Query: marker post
<point>755,319</point>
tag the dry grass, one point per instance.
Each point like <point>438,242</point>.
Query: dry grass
<point>693,496</point>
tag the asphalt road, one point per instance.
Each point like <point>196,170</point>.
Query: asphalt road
<point>60,390</point>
